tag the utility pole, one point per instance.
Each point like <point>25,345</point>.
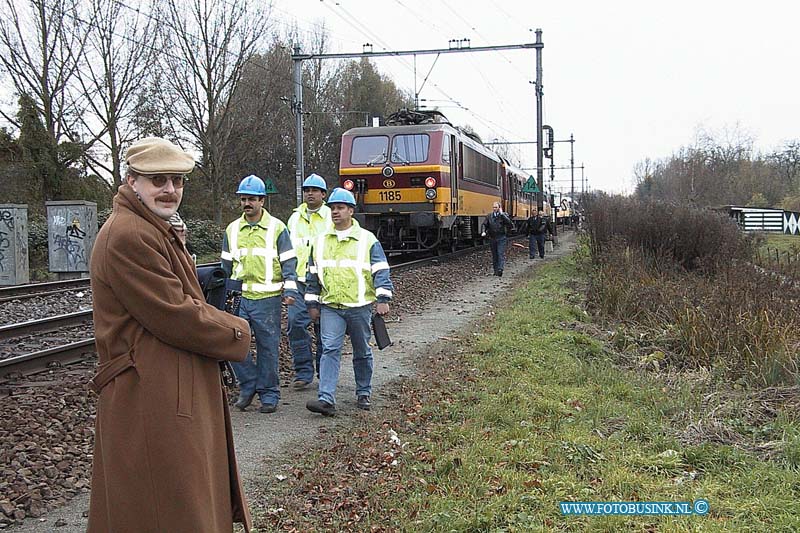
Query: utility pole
<point>539,118</point>
<point>583,184</point>
<point>297,106</point>
<point>572,165</point>
<point>456,45</point>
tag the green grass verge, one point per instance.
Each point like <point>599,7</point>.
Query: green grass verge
<point>550,418</point>
<point>784,243</point>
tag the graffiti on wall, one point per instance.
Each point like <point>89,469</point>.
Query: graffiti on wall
<point>6,234</point>
<point>70,243</point>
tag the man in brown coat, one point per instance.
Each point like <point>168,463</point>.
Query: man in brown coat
<point>163,457</point>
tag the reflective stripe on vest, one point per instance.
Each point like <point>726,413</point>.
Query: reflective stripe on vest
<point>303,229</point>
<point>272,278</point>
<point>325,268</point>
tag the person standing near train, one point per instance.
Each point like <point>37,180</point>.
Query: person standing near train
<point>537,227</point>
<point>497,225</point>
<point>257,250</point>
<point>309,220</point>
<point>163,448</point>
<point>347,273</point>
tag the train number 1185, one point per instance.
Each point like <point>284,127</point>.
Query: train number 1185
<point>389,196</point>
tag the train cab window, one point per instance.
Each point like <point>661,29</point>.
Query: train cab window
<point>410,148</point>
<point>446,150</point>
<point>370,150</point>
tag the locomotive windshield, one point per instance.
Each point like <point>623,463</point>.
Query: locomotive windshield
<point>410,148</point>
<point>369,150</point>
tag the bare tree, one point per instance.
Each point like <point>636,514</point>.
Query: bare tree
<point>212,41</point>
<point>787,159</point>
<point>120,52</point>
<point>41,43</point>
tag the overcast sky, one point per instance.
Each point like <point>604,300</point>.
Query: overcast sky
<point>629,79</point>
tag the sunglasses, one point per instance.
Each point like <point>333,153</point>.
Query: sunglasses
<point>160,180</point>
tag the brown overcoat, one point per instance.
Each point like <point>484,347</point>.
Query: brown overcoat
<point>163,455</point>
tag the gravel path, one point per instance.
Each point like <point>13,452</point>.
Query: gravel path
<point>269,438</point>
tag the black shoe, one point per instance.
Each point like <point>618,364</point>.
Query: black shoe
<point>268,408</point>
<point>363,403</point>
<point>321,407</point>
<point>300,384</point>
<point>500,273</point>
<point>243,401</point>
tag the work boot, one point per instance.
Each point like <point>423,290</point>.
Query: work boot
<point>300,384</point>
<point>268,408</point>
<point>322,407</point>
<point>243,401</point>
<point>363,403</point>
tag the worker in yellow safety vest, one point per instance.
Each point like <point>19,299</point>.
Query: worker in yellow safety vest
<point>347,273</point>
<point>257,250</point>
<point>309,220</point>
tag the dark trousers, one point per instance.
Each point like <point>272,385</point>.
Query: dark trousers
<point>537,240</point>
<point>499,254</point>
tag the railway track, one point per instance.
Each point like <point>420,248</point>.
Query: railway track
<point>31,290</point>
<point>21,292</point>
<point>45,324</point>
<point>77,351</point>
<point>40,360</point>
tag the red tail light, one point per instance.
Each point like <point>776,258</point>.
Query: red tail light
<point>348,184</point>
<point>430,182</point>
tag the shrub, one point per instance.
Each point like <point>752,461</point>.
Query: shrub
<point>692,237</point>
<point>37,248</point>
<point>698,297</point>
<point>204,237</point>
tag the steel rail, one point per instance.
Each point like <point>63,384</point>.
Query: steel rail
<point>45,324</point>
<point>19,292</point>
<point>29,290</point>
<point>34,362</point>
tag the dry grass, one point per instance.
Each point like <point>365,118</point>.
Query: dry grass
<point>696,298</point>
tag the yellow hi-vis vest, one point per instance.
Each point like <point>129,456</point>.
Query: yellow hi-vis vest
<point>253,250</point>
<point>303,229</point>
<point>344,269</point>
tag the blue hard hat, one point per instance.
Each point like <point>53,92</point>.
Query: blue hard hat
<point>252,185</point>
<point>315,180</point>
<point>341,196</point>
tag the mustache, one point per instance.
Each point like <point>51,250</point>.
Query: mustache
<point>167,198</point>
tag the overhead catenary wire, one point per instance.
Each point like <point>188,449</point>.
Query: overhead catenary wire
<point>501,101</point>
<point>273,71</point>
<point>359,26</point>
<point>469,58</point>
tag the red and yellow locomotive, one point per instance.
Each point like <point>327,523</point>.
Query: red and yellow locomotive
<point>422,184</point>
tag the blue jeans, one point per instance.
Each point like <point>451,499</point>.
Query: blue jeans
<point>538,241</point>
<point>335,323</point>
<point>261,376</point>
<point>300,339</point>
<point>499,253</point>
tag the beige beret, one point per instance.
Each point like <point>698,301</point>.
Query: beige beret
<point>154,155</point>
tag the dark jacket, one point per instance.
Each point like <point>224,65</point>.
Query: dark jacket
<point>538,225</point>
<point>497,225</point>
<point>163,450</point>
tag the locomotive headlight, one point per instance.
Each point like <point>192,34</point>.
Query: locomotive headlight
<point>430,182</point>
<point>430,194</point>
<point>348,185</point>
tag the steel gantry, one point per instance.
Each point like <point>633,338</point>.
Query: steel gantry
<point>297,104</point>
